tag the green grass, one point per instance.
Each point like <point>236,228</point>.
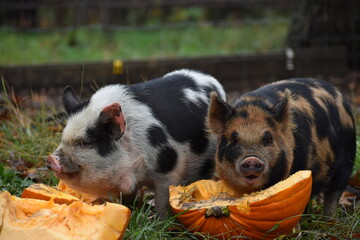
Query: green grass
<point>12,181</point>
<point>27,137</point>
<point>84,45</point>
<point>144,225</point>
<point>344,225</point>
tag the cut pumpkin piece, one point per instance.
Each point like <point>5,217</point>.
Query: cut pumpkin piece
<point>63,194</point>
<point>44,192</point>
<point>33,219</point>
<point>213,208</point>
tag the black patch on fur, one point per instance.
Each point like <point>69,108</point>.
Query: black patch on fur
<point>318,186</point>
<point>345,151</point>
<point>270,122</point>
<point>315,169</point>
<point>199,143</point>
<point>321,120</point>
<point>313,151</point>
<point>303,137</point>
<point>184,120</point>
<point>78,108</point>
<point>277,173</point>
<point>71,103</point>
<point>260,103</point>
<point>228,151</point>
<point>340,171</point>
<point>221,148</point>
<point>269,92</point>
<point>267,139</point>
<point>234,138</point>
<point>335,124</point>
<point>100,137</point>
<point>325,86</point>
<point>279,109</point>
<point>302,87</point>
<point>243,114</point>
<point>232,153</point>
<point>156,136</point>
<point>207,168</point>
<point>166,160</point>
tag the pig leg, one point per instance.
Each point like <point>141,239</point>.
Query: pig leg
<point>331,199</point>
<point>162,205</point>
<point>338,182</point>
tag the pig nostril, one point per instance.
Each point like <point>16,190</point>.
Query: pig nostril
<point>245,165</point>
<point>258,166</point>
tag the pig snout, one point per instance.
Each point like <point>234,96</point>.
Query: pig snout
<point>251,167</point>
<point>53,163</point>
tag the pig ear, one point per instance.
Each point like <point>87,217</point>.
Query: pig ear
<point>218,114</point>
<point>280,109</point>
<point>70,101</point>
<point>113,117</point>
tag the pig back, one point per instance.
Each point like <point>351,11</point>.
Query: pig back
<point>179,103</point>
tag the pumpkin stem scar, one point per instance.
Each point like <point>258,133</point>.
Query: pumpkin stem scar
<point>217,211</point>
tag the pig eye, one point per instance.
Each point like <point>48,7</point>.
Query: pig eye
<point>234,138</point>
<point>84,143</point>
<point>267,139</point>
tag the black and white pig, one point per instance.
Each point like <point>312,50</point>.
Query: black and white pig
<point>280,128</point>
<point>148,134</point>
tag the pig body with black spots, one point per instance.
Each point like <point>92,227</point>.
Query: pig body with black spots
<point>148,134</point>
<point>280,128</point>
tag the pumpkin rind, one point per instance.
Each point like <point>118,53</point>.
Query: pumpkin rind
<point>277,208</point>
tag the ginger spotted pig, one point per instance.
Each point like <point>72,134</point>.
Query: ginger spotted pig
<point>149,134</point>
<point>280,128</point>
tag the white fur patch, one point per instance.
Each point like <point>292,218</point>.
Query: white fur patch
<point>200,79</point>
<point>194,96</point>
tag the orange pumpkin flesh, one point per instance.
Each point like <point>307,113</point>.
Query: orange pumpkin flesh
<point>211,207</point>
<point>82,196</point>
<point>44,192</point>
<point>35,219</point>
<point>62,194</point>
